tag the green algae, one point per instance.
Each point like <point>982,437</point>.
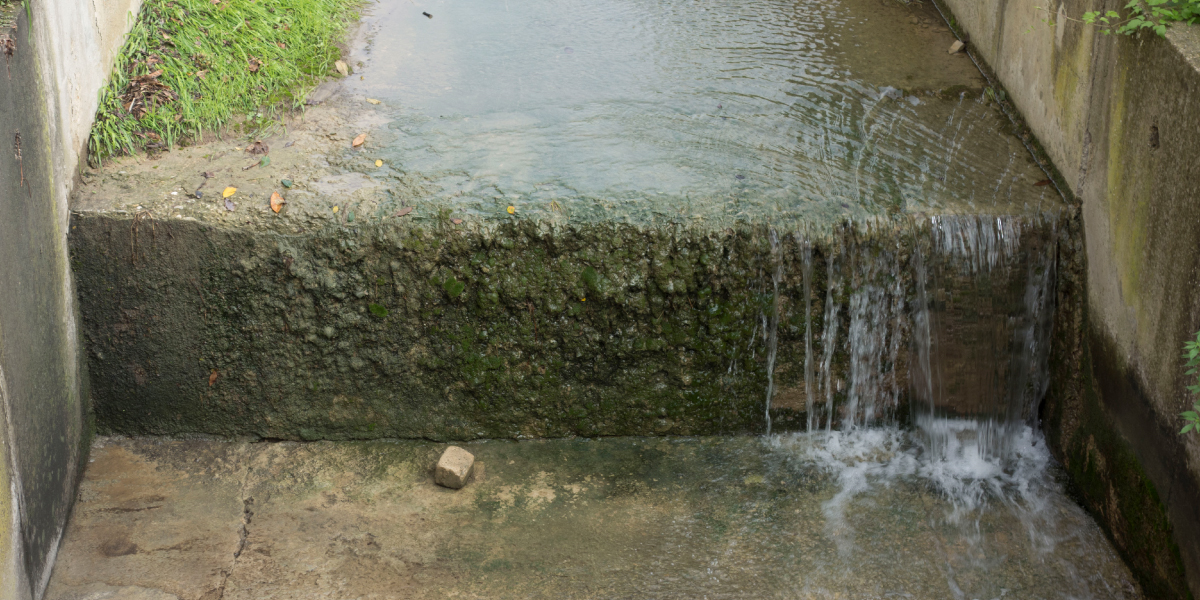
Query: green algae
<point>526,330</point>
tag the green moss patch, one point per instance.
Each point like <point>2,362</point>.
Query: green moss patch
<point>191,66</point>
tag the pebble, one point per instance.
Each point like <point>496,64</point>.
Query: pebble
<point>956,47</point>
<point>454,467</point>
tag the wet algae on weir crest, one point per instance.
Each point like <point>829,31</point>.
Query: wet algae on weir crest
<point>525,329</point>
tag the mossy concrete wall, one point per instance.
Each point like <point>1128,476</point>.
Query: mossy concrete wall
<point>521,329</point>
<point>60,52</point>
<point>1119,118</point>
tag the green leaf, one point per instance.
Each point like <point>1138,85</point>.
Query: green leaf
<point>1186,428</point>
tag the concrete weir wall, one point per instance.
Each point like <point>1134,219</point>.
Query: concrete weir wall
<point>61,53</point>
<point>1119,118</point>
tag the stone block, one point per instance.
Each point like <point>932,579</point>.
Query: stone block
<point>454,467</point>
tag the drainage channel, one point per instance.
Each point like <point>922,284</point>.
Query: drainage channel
<point>596,245</point>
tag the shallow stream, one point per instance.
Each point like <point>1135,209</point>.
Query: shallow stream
<point>901,456</point>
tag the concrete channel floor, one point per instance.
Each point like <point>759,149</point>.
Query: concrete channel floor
<point>721,517</point>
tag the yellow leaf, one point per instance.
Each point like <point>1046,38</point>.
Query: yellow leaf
<point>335,209</point>
<point>379,163</point>
<point>277,201</point>
<point>372,101</point>
<point>512,210</point>
<point>229,191</point>
<point>358,141</point>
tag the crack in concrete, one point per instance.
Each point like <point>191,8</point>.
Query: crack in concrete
<point>243,534</point>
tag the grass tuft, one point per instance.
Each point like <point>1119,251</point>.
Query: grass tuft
<point>195,66</point>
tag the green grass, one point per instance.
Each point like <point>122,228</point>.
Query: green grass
<point>195,66</point>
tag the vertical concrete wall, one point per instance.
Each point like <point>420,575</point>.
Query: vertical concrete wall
<point>62,51</point>
<point>1120,118</point>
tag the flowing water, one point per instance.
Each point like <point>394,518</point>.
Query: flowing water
<point>693,110</point>
<point>926,322</point>
<point>901,455</point>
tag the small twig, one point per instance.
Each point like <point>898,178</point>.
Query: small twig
<point>20,161</point>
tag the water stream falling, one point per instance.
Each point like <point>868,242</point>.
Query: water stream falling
<point>892,196</point>
<point>959,328</point>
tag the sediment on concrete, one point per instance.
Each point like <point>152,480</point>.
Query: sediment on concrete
<point>523,329</point>
<point>1115,114</point>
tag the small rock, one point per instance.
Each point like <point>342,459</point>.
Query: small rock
<point>342,68</point>
<point>956,47</point>
<point>454,467</point>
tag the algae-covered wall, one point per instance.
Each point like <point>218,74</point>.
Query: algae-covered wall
<point>522,329</point>
<point>56,53</point>
<point>1118,117</point>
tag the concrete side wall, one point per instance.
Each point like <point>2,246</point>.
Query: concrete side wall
<point>62,51</point>
<point>1119,118</point>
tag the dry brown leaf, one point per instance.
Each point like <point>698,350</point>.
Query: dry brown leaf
<point>456,221</point>
<point>372,101</point>
<point>358,141</point>
<point>1042,182</point>
<point>403,211</point>
<point>212,378</point>
<point>258,148</point>
<point>277,201</point>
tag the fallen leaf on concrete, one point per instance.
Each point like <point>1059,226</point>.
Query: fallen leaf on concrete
<point>372,101</point>
<point>456,221</point>
<point>212,378</point>
<point>277,201</point>
<point>403,211</point>
<point>336,208</point>
<point>358,141</point>
<point>229,205</point>
<point>229,191</point>
<point>287,183</point>
<point>378,163</point>
<point>1042,182</point>
<point>512,210</point>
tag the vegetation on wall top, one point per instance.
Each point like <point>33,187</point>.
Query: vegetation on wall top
<point>191,66</point>
<point>1155,15</point>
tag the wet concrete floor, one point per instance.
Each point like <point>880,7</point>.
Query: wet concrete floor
<point>726,517</point>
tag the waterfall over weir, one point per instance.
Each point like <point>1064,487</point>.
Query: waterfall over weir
<point>946,326</point>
